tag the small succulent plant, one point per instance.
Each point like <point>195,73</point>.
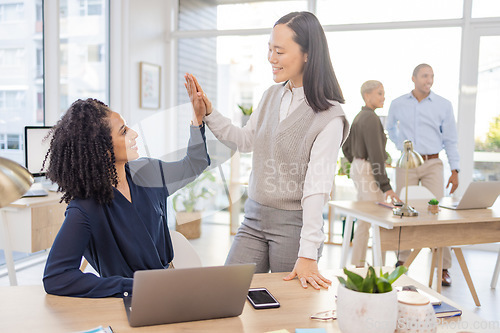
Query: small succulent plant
<point>372,283</point>
<point>433,202</point>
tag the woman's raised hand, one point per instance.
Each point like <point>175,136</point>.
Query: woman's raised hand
<point>201,104</point>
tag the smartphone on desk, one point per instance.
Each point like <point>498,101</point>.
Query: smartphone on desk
<point>261,298</point>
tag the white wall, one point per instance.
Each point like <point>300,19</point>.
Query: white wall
<point>147,26</point>
<point>138,31</point>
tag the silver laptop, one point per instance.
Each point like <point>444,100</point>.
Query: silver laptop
<point>164,296</point>
<point>477,195</point>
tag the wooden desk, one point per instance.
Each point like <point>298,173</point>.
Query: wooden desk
<point>460,227</point>
<point>48,313</point>
<point>29,225</point>
<point>448,228</point>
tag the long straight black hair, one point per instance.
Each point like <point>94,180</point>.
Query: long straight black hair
<point>320,82</point>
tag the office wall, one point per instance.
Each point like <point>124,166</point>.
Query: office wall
<point>147,26</point>
<point>138,31</point>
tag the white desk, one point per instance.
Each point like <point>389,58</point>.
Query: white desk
<point>29,225</point>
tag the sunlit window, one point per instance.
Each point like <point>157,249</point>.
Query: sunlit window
<point>84,51</point>
<point>485,8</point>
<point>13,141</point>
<point>487,125</point>
<point>11,12</point>
<point>369,11</point>
<point>255,14</point>
<point>21,79</point>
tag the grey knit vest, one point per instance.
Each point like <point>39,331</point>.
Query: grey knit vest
<point>282,150</point>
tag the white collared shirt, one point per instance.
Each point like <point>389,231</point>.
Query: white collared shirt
<point>290,100</point>
<point>319,180</point>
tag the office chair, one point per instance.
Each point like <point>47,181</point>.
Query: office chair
<point>185,255</point>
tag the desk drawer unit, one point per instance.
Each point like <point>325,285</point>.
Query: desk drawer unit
<point>33,229</point>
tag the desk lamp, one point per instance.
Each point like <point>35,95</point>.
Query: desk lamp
<point>409,159</point>
<point>14,181</point>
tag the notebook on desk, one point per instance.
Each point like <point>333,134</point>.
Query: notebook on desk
<point>445,310</point>
<point>477,195</point>
<point>164,296</point>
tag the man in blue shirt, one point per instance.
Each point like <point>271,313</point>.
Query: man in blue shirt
<point>427,120</point>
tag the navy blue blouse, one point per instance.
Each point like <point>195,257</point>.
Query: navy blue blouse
<point>122,237</point>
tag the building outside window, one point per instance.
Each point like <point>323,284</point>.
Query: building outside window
<point>84,51</point>
<point>11,12</point>
<point>14,141</point>
<point>20,38</point>
<point>84,45</point>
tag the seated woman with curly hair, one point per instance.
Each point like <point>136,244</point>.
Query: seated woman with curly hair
<point>116,216</point>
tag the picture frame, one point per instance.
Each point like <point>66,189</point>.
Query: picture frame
<point>150,82</point>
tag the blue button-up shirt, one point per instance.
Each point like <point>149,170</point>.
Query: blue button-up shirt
<point>429,124</point>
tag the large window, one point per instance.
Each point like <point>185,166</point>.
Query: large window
<point>11,12</point>
<point>21,36</point>
<point>83,63</point>
<point>485,8</point>
<point>369,11</point>
<point>367,40</point>
<point>84,51</point>
<point>255,14</point>
<point>487,127</point>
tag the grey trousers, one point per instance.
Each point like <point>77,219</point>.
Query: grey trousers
<point>362,175</point>
<point>268,237</point>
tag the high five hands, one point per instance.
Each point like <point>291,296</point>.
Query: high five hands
<point>201,104</point>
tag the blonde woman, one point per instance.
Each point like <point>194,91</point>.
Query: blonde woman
<point>365,149</point>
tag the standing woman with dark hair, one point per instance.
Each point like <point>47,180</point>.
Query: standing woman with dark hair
<point>295,134</point>
<point>116,214</point>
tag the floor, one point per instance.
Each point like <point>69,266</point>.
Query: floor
<point>215,242</point>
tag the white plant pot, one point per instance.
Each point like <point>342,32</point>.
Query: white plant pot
<point>363,312</point>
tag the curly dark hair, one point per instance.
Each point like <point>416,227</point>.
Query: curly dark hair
<point>81,156</point>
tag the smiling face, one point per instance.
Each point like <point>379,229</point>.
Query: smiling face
<point>375,98</point>
<point>285,56</point>
<point>124,144</point>
<point>423,81</point>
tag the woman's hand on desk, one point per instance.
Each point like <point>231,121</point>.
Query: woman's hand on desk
<point>391,195</point>
<point>306,270</point>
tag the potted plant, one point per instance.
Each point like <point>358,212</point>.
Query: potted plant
<point>433,206</point>
<point>247,111</point>
<point>368,304</point>
<point>187,217</point>
<point>344,167</point>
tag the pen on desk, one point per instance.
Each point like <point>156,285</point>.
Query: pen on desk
<point>110,330</point>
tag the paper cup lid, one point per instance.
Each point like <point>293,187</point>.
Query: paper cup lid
<point>412,298</point>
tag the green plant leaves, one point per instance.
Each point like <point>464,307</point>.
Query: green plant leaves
<point>433,202</point>
<point>192,192</point>
<point>383,286</point>
<point>400,270</point>
<point>371,283</point>
<point>246,111</point>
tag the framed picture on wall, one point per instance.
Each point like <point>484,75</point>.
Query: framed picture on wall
<point>150,86</point>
